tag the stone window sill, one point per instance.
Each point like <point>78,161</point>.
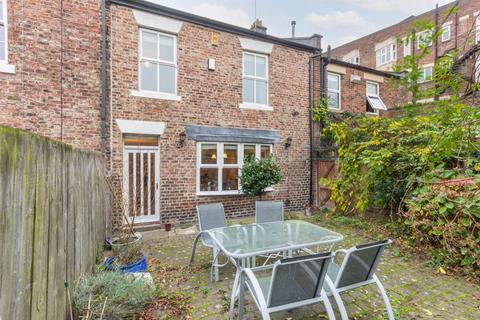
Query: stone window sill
<point>155,95</point>
<point>7,68</point>
<point>253,106</point>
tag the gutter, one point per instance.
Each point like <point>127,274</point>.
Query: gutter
<point>206,22</point>
<point>103,80</point>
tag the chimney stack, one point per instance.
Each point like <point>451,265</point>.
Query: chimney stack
<point>258,26</point>
<point>293,28</point>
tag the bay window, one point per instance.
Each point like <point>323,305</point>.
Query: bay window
<point>158,62</point>
<point>386,54</point>
<point>219,165</point>
<point>255,79</point>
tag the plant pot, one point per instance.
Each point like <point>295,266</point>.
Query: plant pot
<point>137,266</point>
<point>120,245</point>
<point>168,227</point>
<point>308,211</point>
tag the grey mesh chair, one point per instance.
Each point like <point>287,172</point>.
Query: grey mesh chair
<point>210,216</point>
<point>268,211</point>
<point>357,269</point>
<point>294,282</point>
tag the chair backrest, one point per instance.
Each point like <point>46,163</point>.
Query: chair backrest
<point>360,263</point>
<point>211,216</point>
<point>297,279</point>
<point>268,211</point>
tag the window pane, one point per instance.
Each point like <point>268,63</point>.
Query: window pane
<point>167,78</point>
<point>248,151</point>
<point>264,152</point>
<point>1,10</point>
<point>372,89</point>
<point>149,45</point>
<point>230,154</point>
<point>333,82</point>
<point>209,154</point>
<point>261,67</point>
<point>2,40</point>
<point>249,65</point>
<point>148,76</point>
<point>230,179</point>
<point>376,103</point>
<point>166,48</point>
<point>140,140</point>
<point>261,92</point>
<point>248,90</point>
<point>208,179</point>
<point>333,100</point>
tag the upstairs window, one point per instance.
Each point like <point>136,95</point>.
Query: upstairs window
<point>255,78</point>
<point>424,39</point>
<point>374,102</point>
<point>386,54</point>
<point>158,62</point>
<point>446,33</point>
<point>426,75</point>
<point>334,91</point>
<point>3,31</point>
<point>353,60</point>
<point>407,47</point>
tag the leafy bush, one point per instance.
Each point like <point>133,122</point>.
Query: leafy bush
<point>259,174</point>
<point>123,296</point>
<point>446,216</point>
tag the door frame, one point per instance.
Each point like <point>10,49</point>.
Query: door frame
<point>125,188</point>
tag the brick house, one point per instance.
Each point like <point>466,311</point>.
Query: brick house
<point>381,50</point>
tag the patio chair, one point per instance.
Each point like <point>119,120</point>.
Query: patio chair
<point>210,216</point>
<point>294,282</point>
<point>357,269</point>
<point>268,211</point>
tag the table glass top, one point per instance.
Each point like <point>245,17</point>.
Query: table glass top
<point>254,239</point>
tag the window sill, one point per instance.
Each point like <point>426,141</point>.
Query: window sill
<point>254,106</point>
<point>334,109</point>
<point>218,193</point>
<point>155,95</point>
<point>372,113</point>
<point>7,68</point>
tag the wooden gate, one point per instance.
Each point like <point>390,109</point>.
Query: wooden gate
<point>324,169</point>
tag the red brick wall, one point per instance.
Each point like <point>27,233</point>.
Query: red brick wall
<point>210,98</point>
<point>366,45</point>
<point>31,99</point>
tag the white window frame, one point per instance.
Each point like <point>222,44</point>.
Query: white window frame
<point>368,95</point>
<point>445,32</point>
<point>420,34</point>
<point>254,104</point>
<point>407,47</point>
<point>339,91</point>
<point>386,54</point>
<point>4,66</point>
<point>424,69</point>
<point>353,60</point>
<point>477,33</point>
<point>157,93</point>
<point>220,165</point>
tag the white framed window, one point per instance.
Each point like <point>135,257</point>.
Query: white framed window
<point>374,102</point>
<point>386,54</point>
<point>477,69</point>
<point>4,66</point>
<point>407,47</point>
<point>255,79</point>
<point>157,62</point>
<point>353,60</point>
<point>446,33</point>
<point>219,165</point>
<point>426,75</point>
<point>424,39</point>
<point>477,23</point>
<point>334,91</point>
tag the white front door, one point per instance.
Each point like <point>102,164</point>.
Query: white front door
<point>140,183</point>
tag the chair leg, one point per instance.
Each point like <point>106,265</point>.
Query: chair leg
<point>192,256</point>
<point>215,272</point>
<point>234,294</point>
<point>385,298</point>
<point>241,297</point>
<point>328,306</point>
<point>336,296</point>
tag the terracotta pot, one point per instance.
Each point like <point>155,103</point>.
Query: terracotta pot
<point>168,227</point>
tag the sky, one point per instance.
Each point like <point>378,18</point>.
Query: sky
<point>339,21</point>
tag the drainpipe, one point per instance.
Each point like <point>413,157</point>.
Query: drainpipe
<point>436,48</point>
<point>103,79</point>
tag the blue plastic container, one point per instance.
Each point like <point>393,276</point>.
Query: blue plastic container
<point>137,266</point>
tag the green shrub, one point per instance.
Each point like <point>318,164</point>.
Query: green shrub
<point>125,296</point>
<point>259,174</point>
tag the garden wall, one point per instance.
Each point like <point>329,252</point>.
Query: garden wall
<point>54,214</point>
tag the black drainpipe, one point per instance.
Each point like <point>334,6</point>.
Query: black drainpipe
<point>103,79</point>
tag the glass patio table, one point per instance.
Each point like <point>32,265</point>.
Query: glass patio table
<point>242,243</point>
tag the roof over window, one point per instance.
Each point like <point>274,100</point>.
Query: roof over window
<point>222,134</point>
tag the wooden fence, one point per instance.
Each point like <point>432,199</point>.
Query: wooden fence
<point>54,214</point>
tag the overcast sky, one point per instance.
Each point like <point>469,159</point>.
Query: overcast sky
<point>339,21</point>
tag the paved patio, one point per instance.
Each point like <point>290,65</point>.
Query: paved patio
<point>416,291</point>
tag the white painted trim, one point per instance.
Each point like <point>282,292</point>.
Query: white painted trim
<point>141,127</point>
<point>155,95</point>
<point>157,22</point>
<point>447,23</point>
<point>7,68</point>
<point>465,17</point>
<point>254,106</point>
<point>256,46</point>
